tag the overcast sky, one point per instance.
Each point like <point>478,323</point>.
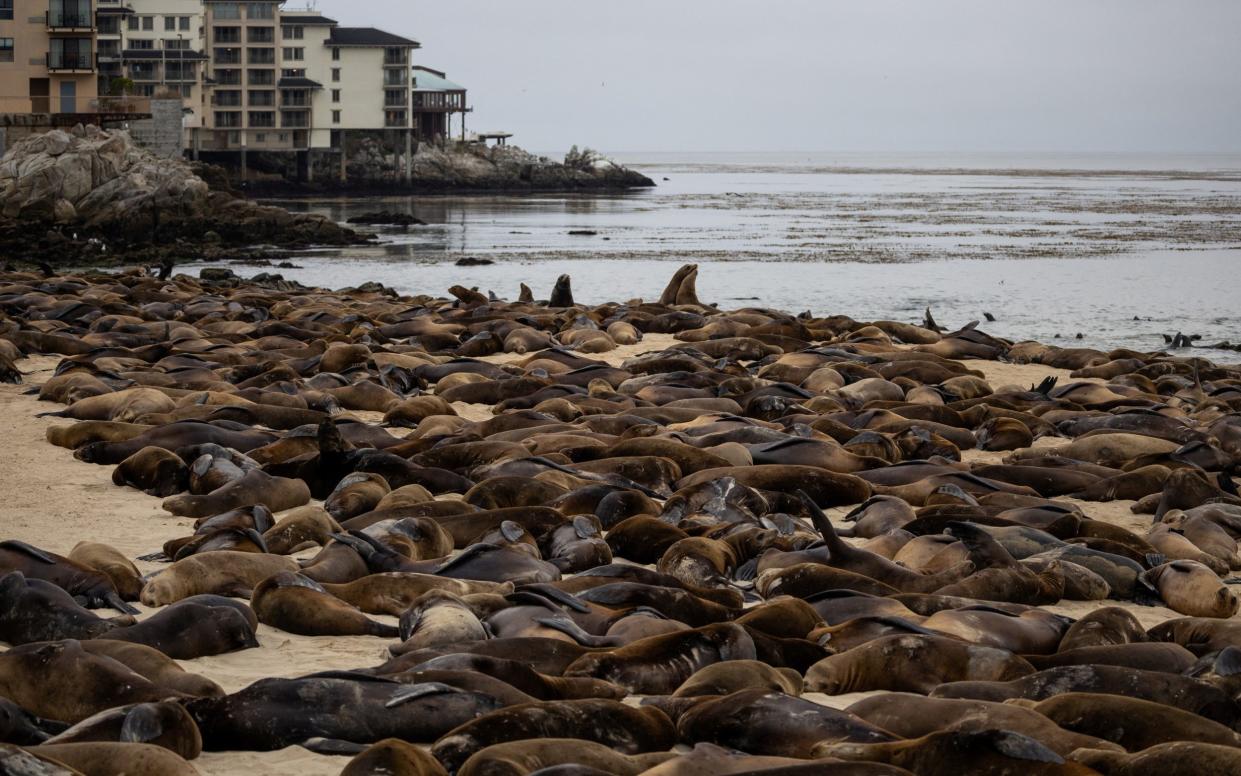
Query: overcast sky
<point>805,75</point>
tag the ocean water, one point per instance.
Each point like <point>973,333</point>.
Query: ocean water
<point>1121,249</point>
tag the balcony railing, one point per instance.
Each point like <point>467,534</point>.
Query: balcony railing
<point>79,18</point>
<point>395,60</point>
<point>81,60</point>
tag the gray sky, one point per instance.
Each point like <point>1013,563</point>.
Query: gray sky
<point>867,75</point>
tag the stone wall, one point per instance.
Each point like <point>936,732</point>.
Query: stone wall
<point>161,134</point>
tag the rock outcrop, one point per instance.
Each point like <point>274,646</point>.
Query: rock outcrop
<point>99,185</point>
<point>509,167</point>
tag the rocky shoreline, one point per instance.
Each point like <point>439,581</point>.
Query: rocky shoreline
<point>93,196</point>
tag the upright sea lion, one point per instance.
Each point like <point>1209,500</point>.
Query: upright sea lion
<point>562,293</point>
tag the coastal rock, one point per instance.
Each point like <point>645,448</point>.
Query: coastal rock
<point>509,167</point>
<point>102,184</point>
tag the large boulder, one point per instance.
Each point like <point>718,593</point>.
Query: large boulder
<point>100,181</point>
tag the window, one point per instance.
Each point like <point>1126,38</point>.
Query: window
<point>234,137</point>
<point>262,118</point>
<point>290,31</point>
<point>261,35</point>
<point>394,118</point>
<point>227,10</point>
<point>284,137</point>
<point>336,95</point>
<point>170,23</point>
<point>261,56</point>
<point>184,22</point>
<point>176,44</point>
<point>293,72</point>
<point>133,22</point>
<point>227,34</point>
<point>335,55</point>
<point>141,45</point>
<point>260,11</point>
<point>6,46</point>
<point>262,77</point>
<point>227,119</point>
<point>187,91</point>
<point>6,12</point>
<point>228,56</point>
<point>336,74</point>
<point>228,77</point>
<point>262,99</point>
<point>228,99</point>
<point>295,54</point>
<point>394,77</point>
<point>394,97</point>
<point>148,22</point>
<point>335,117</point>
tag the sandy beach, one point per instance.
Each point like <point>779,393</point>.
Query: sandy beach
<point>54,501</point>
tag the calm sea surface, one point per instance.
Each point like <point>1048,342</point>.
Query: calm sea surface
<point>1119,248</point>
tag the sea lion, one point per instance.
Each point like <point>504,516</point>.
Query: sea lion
<point>912,663</point>
<point>255,487</point>
<point>154,471</point>
<point>625,729</point>
<point>771,723</point>
<point>124,406</point>
<point>299,529</point>
<point>297,604</point>
<point>1154,656</point>
<point>221,573</point>
<point>93,588</point>
<point>1183,692</point>
<point>32,610</point>
<point>395,757</point>
<point>1101,627</point>
<point>1190,588</point>
<point>107,560</point>
<point>519,758</point>
<point>85,432</point>
<point>154,666</point>
<point>438,618</point>
<point>1145,723</point>
<point>643,538</point>
<point>60,680</point>
<point>912,716</point>
<point>116,759</point>
<point>827,489</point>
<point>274,713</point>
<point>394,592</point>
<point>165,724</point>
<point>659,664</point>
<point>735,675</point>
<point>356,494</point>
<point>947,753</point>
<point>1175,758</point>
<point>188,630</point>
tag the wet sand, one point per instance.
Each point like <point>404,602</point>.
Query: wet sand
<point>53,501</point>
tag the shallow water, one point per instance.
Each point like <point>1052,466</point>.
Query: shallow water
<point>1051,245</point>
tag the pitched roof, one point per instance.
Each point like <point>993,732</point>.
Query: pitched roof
<point>309,20</point>
<point>367,36</point>
<point>428,80</point>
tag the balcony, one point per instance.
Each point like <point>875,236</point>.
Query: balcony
<point>71,61</point>
<point>395,60</point>
<point>70,18</point>
<point>296,120</point>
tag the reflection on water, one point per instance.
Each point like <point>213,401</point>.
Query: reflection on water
<point>1050,252</point>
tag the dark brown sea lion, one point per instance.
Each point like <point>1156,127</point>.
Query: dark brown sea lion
<point>643,538</point>
<point>733,676</point>
<point>188,630</point>
<point>32,610</point>
<point>659,664</point>
<point>1155,656</point>
<point>154,666</point>
<point>93,588</point>
<point>296,604</point>
<point>771,723</point>
<point>625,729</point>
<point>913,663</point>
<point>1101,627</point>
<point>827,489</point>
<point>274,713</point>
<point>154,471</point>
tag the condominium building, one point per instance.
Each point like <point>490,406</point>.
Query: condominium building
<point>47,56</point>
<point>251,75</point>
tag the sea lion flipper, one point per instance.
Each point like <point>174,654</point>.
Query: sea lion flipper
<point>416,691</point>
<point>572,629</point>
<point>141,725</point>
<point>114,601</point>
<point>747,571</point>
<point>556,594</point>
<point>22,547</point>
<point>332,746</point>
<point>1154,559</point>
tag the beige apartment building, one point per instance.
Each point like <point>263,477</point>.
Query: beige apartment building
<point>47,56</point>
<point>251,76</point>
